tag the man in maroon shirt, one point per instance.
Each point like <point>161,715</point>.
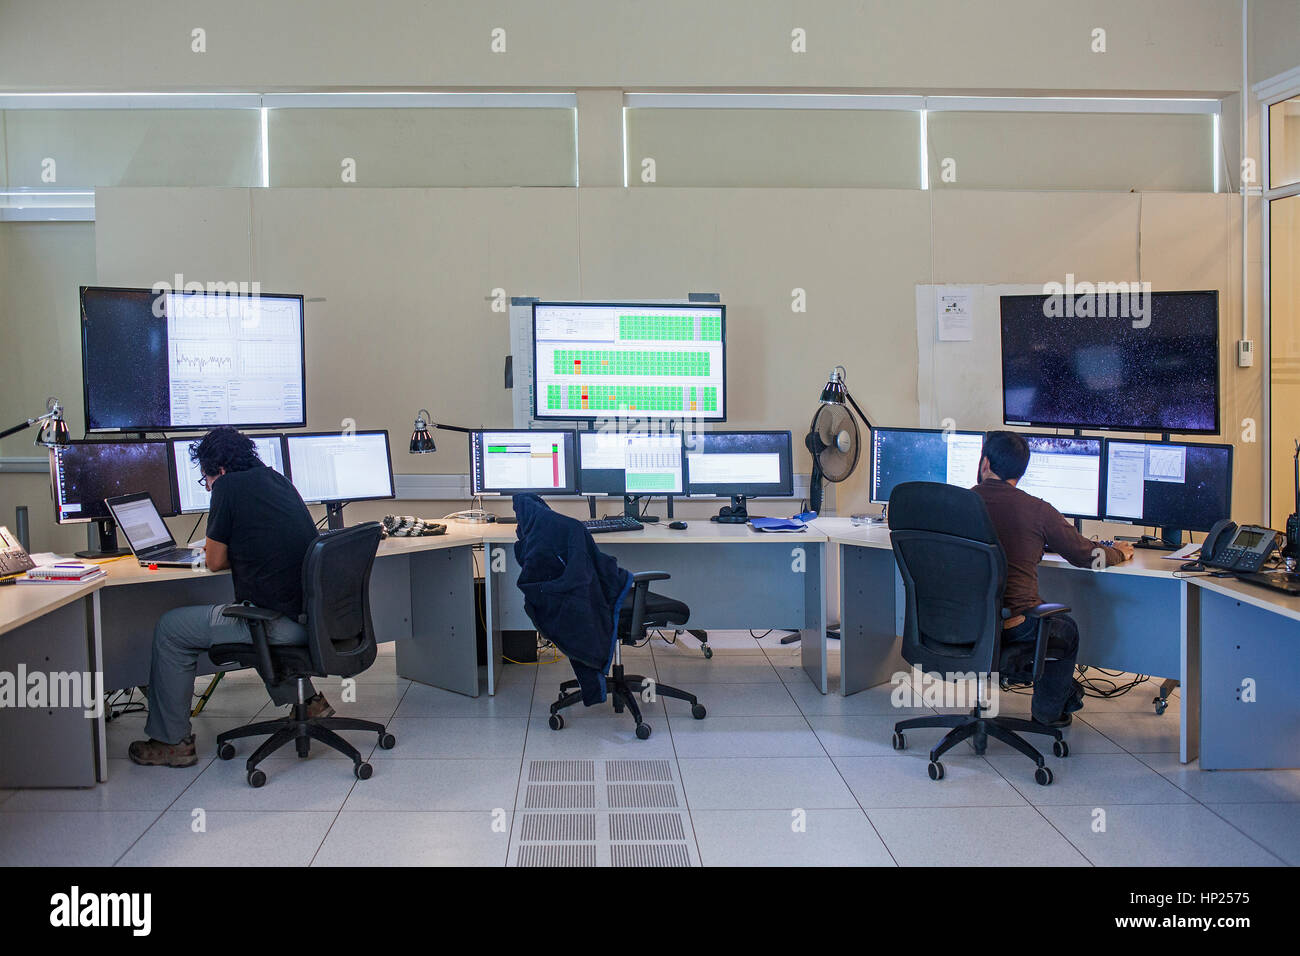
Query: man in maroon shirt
<point>1026,526</point>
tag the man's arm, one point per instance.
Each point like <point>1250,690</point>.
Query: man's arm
<point>216,555</point>
<point>1074,547</point>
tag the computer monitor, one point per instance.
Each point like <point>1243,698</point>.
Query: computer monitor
<point>188,360</point>
<point>1066,366</point>
<point>601,360</point>
<point>520,460</point>
<point>1172,486</point>
<point>193,497</point>
<point>84,473</point>
<point>630,463</point>
<point>923,454</point>
<point>740,465</point>
<point>335,468</point>
<point>1065,471</point>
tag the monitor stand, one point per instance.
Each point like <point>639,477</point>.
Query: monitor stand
<point>631,510</point>
<point>1171,539</point>
<point>334,515</point>
<point>106,539</point>
<point>734,513</point>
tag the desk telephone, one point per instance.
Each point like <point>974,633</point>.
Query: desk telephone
<point>1241,549</point>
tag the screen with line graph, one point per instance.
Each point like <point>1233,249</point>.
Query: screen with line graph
<point>155,360</point>
<point>626,360</point>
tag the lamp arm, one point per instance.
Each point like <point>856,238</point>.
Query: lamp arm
<point>17,428</point>
<point>452,428</point>
<point>865,420</point>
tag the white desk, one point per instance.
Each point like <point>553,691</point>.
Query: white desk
<point>730,576</point>
<point>1135,616</point>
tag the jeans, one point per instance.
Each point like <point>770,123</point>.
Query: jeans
<point>182,634</point>
<point>1056,693</point>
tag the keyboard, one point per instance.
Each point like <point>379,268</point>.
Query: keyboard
<point>606,525</point>
<point>170,556</point>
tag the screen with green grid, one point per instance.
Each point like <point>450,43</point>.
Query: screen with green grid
<point>600,360</point>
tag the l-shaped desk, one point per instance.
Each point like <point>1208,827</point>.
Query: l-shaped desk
<point>1232,646</point>
<point>1135,617</point>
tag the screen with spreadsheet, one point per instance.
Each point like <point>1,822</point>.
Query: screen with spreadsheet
<point>192,497</point>
<point>1065,471</point>
<point>340,466</point>
<point>519,461</point>
<point>190,360</point>
<point>630,463</point>
<point>603,360</point>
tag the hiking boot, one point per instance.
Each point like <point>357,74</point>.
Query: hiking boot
<point>155,753</point>
<point>317,706</point>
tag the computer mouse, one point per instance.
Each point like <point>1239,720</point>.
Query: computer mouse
<point>677,525</point>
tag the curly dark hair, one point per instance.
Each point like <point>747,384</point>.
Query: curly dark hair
<point>224,447</point>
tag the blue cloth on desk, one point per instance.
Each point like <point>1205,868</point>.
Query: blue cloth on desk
<point>572,591</point>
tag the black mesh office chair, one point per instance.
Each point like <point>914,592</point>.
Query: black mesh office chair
<point>340,642</point>
<point>954,572</point>
<point>642,610</point>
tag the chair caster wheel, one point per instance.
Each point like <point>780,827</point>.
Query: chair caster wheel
<point>226,751</point>
<point>387,741</point>
<point>1060,748</point>
<point>708,652</point>
<point>936,770</point>
<point>698,711</point>
<point>363,771</point>
<point>1043,776</point>
<point>256,778</point>
<point>642,731</point>
<point>899,741</point>
<point>556,721</point>
<point>1162,704</point>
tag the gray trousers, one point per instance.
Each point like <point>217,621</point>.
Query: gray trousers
<point>182,634</point>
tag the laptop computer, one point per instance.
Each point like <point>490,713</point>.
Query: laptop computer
<point>147,533</point>
<point>1288,582</point>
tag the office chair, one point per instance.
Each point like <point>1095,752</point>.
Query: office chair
<point>954,572</point>
<point>340,642</point>
<point>646,611</point>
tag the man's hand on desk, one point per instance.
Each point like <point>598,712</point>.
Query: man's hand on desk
<point>1125,548</point>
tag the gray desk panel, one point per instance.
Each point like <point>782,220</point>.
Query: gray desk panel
<point>871,618</point>
<point>442,651</point>
<point>1126,622</point>
<point>1241,643</point>
<point>49,747</point>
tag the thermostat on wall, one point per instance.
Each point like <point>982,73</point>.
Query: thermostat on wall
<point>1245,353</point>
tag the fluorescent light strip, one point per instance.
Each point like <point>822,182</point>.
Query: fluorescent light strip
<point>372,99</point>
<point>1215,158</point>
<point>770,101</point>
<point>925,149</point>
<point>266,152</point>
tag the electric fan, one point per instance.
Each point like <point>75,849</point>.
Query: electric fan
<point>833,437</point>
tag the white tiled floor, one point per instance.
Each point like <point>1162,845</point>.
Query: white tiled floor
<point>777,774</point>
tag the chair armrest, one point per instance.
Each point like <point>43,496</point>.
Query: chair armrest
<point>250,612</point>
<point>1043,613</point>
<point>257,618</point>
<point>1046,610</point>
<point>639,576</point>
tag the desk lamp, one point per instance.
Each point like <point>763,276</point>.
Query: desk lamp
<point>422,444</point>
<point>53,431</point>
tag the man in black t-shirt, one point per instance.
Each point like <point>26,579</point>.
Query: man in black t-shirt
<point>259,528</point>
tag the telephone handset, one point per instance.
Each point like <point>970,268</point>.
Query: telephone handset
<point>1240,549</point>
